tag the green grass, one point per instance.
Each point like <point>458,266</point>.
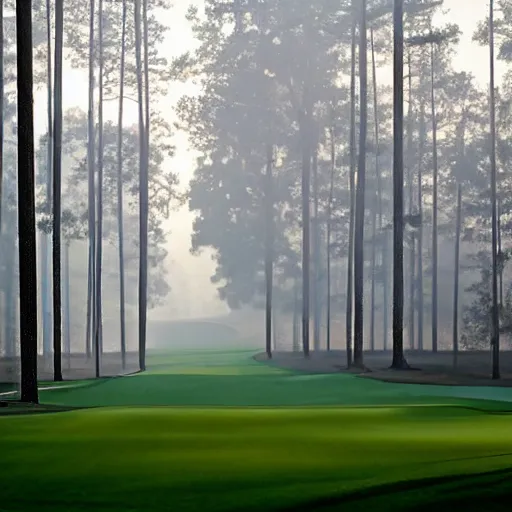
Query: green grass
<point>184,437</point>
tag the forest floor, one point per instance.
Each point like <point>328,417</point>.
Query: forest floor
<point>77,367</point>
<point>473,368</point>
<point>216,431</point>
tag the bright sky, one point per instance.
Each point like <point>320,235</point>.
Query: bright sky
<point>189,275</point>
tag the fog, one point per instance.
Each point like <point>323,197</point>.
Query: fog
<point>191,293</point>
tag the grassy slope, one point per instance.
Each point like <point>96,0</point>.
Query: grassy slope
<point>219,459</point>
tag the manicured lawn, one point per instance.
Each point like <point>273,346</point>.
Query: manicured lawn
<point>218,454</point>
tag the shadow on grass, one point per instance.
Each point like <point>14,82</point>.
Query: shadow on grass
<point>489,491</point>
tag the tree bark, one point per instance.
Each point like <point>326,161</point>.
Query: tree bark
<point>360,196</point>
<point>26,203</point>
<point>57,192</point>
<point>456,277</point>
<point>316,252</point>
<point>98,341</point>
<point>495,331</point>
<point>120,215</point>
<point>399,361</point>
<point>143,179</point>
<point>269,251</point>
<point>352,172</point>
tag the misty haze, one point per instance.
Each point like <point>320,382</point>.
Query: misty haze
<point>255,255</point>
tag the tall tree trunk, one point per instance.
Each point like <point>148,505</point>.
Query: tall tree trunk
<point>45,270</point>
<point>378,206</point>
<point>399,361</point>
<point>360,193</point>
<point>57,191</point>
<point>26,203</point>
<point>352,173</point>
<point>316,251</point>
<point>422,137</point>
<point>143,178</point>
<point>495,331</point>
<point>410,174</point>
<point>91,200</point>
<point>456,277</point>
<point>98,341</point>
<point>9,291</point>
<point>67,307</point>
<point>329,227</point>
<point>120,215</point>
<point>269,251</point>
<point>434,201</point>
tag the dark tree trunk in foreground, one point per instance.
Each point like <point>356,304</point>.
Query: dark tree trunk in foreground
<point>456,278</point>
<point>57,191</point>
<point>360,193</point>
<point>399,361</point>
<point>26,203</point>
<point>91,200</point>
<point>120,215</point>
<point>495,318</point>
<point>434,202</point>
<point>269,252</point>
<point>98,338</point>
<point>143,178</point>
<point>352,172</point>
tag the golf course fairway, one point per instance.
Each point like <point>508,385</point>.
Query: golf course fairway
<point>216,431</point>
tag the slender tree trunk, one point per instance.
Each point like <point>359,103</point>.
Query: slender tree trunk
<point>352,173</point>
<point>422,137</point>
<point>26,203</point>
<point>120,215</point>
<point>410,174</point>
<point>91,199</point>
<point>360,193</point>
<point>378,206</point>
<point>316,253</point>
<point>57,191</point>
<point>67,307</point>
<point>495,331</point>
<point>329,227</point>
<point>434,202</point>
<point>456,277</point>
<point>45,270</point>
<point>269,251</point>
<point>399,361</point>
<point>143,221</point>
<point>98,341</point>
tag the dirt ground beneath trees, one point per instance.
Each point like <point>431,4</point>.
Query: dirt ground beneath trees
<point>473,368</point>
<point>78,367</point>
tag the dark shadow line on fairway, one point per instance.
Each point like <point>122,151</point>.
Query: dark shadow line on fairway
<point>460,459</point>
<point>388,489</point>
